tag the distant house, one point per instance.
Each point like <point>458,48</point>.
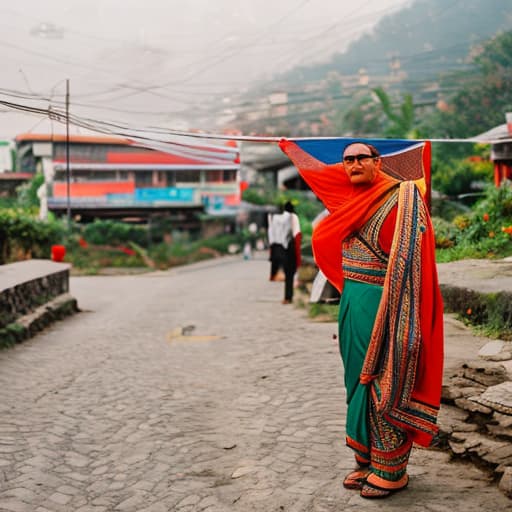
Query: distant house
<point>100,176</point>
<point>500,138</point>
<point>9,179</point>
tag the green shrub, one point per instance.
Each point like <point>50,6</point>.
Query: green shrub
<point>27,193</point>
<point>23,236</point>
<point>167,255</point>
<point>448,210</point>
<point>259,197</point>
<point>220,243</point>
<point>92,258</point>
<point>445,233</point>
<point>459,177</point>
<point>109,232</point>
<point>484,232</point>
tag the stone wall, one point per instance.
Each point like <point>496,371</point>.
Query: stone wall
<point>477,412</point>
<point>33,293</point>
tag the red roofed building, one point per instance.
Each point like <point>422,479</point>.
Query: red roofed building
<point>500,138</point>
<point>118,177</point>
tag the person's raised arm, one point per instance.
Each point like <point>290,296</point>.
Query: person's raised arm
<point>328,182</point>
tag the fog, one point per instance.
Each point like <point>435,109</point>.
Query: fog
<point>164,63</point>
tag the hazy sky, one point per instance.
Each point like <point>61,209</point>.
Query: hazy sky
<point>144,62</point>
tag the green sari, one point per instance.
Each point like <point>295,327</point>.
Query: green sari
<point>374,439</point>
<point>358,307</point>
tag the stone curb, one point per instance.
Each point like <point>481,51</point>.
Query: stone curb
<point>28,325</point>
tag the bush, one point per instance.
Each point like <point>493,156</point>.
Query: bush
<point>445,233</point>
<point>109,232</point>
<point>221,243</point>
<point>490,217</point>
<point>485,232</point>
<point>445,209</point>
<point>456,178</point>
<point>259,197</point>
<point>23,236</point>
<point>27,193</point>
<point>180,253</point>
<point>93,258</point>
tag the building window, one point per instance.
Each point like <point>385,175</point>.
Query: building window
<point>229,176</point>
<point>187,176</point>
<point>144,179</point>
<point>81,152</point>
<point>85,175</point>
<point>170,179</point>
<point>214,176</point>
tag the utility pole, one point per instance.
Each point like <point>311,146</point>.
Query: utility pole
<point>68,178</point>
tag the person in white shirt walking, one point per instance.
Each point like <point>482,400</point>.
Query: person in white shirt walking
<point>285,239</point>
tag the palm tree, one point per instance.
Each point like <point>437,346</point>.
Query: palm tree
<point>400,123</point>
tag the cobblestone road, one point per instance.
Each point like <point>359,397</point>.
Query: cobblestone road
<point>113,410</point>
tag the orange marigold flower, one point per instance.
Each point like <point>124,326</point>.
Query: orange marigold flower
<point>469,311</point>
<point>491,234</point>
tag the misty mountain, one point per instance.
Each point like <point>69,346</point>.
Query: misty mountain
<point>426,38</point>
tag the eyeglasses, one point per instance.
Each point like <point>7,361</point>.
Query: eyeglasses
<point>350,159</point>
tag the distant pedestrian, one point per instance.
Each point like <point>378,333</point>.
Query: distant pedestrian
<point>247,251</point>
<point>274,264</point>
<point>285,239</point>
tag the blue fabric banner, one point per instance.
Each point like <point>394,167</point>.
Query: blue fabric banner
<point>330,151</point>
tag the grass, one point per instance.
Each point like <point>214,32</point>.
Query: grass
<point>323,312</point>
<point>464,252</point>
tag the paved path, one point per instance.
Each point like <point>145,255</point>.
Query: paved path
<point>114,410</point>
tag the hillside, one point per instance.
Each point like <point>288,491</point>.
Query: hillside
<point>429,37</point>
<point>425,51</point>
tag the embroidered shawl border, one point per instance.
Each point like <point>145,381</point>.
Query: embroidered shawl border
<point>396,338</point>
<point>363,260</point>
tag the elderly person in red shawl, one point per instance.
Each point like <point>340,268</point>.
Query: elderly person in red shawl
<point>377,248</point>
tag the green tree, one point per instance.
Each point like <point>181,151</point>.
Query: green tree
<point>481,103</point>
<point>361,120</point>
<point>27,193</point>
<point>400,121</point>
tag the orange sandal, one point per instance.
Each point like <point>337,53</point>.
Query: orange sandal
<point>373,491</point>
<point>356,479</point>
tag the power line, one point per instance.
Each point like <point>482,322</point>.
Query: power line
<point>129,132</point>
<point>141,87</point>
<point>244,105</point>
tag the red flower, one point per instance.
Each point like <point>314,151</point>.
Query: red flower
<point>82,242</point>
<point>128,251</point>
<point>485,216</point>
